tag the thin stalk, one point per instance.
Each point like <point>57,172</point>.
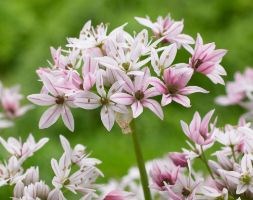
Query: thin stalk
<point>141,163</point>
<point>203,158</point>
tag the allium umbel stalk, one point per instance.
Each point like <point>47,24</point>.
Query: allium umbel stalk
<point>122,74</point>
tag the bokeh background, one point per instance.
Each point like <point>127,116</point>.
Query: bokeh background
<point>28,28</point>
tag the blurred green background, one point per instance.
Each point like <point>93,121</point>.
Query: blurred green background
<point>28,28</point>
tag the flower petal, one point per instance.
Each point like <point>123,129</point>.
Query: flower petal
<point>122,98</point>
<point>107,117</point>
<point>50,116</point>
<point>41,99</point>
<point>154,106</point>
<point>67,118</point>
<point>137,108</point>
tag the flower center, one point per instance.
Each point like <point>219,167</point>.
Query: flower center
<point>104,101</point>
<point>11,110</point>
<point>126,66</point>
<point>167,181</point>
<point>186,192</point>
<point>59,100</point>
<point>139,95</point>
<point>196,63</point>
<point>66,182</point>
<point>245,179</point>
<point>172,89</point>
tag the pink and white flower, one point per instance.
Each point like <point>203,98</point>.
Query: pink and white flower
<point>174,87</point>
<point>58,101</point>
<point>198,130</point>
<point>168,29</point>
<point>138,94</point>
<point>89,100</point>
<point>10,99</point>
<point>206,60</point>
<point>165,60</point>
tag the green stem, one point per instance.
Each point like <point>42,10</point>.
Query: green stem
<point>203,158</point>
<point>141,163</point>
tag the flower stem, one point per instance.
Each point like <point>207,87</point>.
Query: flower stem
<point>203,158</point>
<point>141,163</point>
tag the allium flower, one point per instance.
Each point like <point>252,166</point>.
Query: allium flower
<point>163,173</point>
<point>79,181</point>
<point>89,100</point>
<point>90,37</point>
<point>98,60</point>
<point>58,101</point>
<point>78,155</point>
<point>89,73</point>
<point>23,150</point>
<point>126,61</point>
<point>11,172</point>
<point>10,102</point>
<point>179,159</point>
<point>72,60</point>
<point>239,92</point>
<point>229,137</point>
<point>138,95</point>
<point>206,60</point>
<point>242,179</point>
<point>185,188</point>
<point>198,130</point>
<point>165,60</point>
<point>169,29</point>
<point>210,193</point>
<point>173,87</point>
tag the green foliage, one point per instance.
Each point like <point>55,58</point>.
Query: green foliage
<point>28,28</point>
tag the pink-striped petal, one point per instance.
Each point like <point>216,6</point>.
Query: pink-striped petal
<point>67,118</point>
<point>107,117</point>
<point>145,22</point>
<point>116,87</point>
<point>205,121</point>
<point>100,84</point>
<point>50,116</point>
<point>166,99</point>
<point>168,55</point>
<point>192,89</point>
<point>122,98</point>
<point>41,99</point>
<point>48,83</point>
<point>181,99</point>
<point>137,109</point>
<point>158,84</point>
<point>195,123</point>
<point>154,106</point>
<point>185,128</point>
<point>87,100</point>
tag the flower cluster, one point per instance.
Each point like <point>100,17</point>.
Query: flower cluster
<point>122,73</point>
<point>173,177</point>
<point>10,108</point>
<point>75,171</point>
<point>239,92</point>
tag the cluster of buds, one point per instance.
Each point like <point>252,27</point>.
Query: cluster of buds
<point>123,73</point>
<point>10,108</point>
<point>239,92</point>
<point>75,171</point>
